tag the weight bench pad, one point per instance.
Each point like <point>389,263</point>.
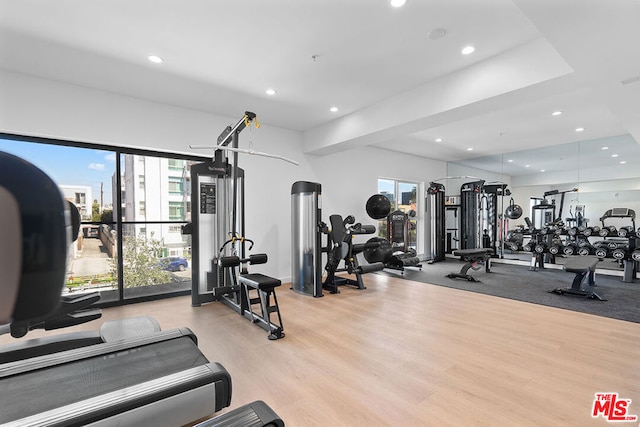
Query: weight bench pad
<point>473,252</point>
<point>581,265</point>
<point>260,281</point>
<point>582,268</point>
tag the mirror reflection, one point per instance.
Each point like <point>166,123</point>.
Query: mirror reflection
<point>578,198</point>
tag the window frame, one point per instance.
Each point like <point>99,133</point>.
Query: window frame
<point>120,223</point>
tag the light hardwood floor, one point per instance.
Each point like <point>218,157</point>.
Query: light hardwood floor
<point>403,353</point>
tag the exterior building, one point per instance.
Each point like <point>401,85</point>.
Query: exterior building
<point>81,196</point>
<point>155,192</point>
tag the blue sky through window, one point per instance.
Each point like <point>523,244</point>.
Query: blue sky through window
<point>68,165</point>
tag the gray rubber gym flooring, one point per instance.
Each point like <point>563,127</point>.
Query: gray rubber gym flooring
<point>519,283</point>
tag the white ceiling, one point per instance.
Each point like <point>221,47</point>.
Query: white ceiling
<point>395,87</point>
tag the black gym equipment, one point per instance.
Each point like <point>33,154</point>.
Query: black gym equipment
<point>340,248</point>
<point>513,211</point>
<point>378,206</point>
<point>36,249</point>
<point>256,414</point>
<point>585,270</point>
<point>621,243</point>
<point>218,229</point>
<point>474,259</point>
<point>471,207</point>
<point>306,238</point>
<point>398,227</point>
<point>436,228</point>
<point>240,296</point>
<point>493,224</point>
<point>481,221</point>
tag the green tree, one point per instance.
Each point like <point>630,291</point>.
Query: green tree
<point>142,267</point>
<point>107,216</point>
<point>95,211</point>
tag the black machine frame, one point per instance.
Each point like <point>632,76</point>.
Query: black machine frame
<point>217,194</point>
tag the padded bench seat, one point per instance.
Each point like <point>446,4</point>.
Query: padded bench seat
<point>584,268</point>
<point>473,257</point>
<point>260,281</point>
<point>265,286</point>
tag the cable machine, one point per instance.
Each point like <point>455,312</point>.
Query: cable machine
<point>493,224</point>
<point>435,231</point>
<point>471,210</point>
<point>219,264</point>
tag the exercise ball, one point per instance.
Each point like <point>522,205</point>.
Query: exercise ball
<point>43,235</point>
<point>378,206</point>
<point>513,211</point>
<point>377,249</point>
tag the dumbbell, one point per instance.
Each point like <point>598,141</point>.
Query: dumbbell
<point>587,231</point>
<point>514,246</point>
<point>619,253</point>
<point>612,245</point>
<point>554,249</point>
<point>601,253</point>
<point>540,248</point>
<point>584,250</point>
<point>528,247</point>
<point>573,231</point>
<point>635,255</point>
<point>625,231</point>
<point>604,232</point>
<point>568,249</point>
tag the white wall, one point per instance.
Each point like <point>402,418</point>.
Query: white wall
<point>37,107</point>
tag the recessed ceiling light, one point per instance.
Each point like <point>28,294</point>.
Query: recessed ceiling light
<point>622,162</point>
<point>614,155</point>
<point>579,129</point>
<point>333,109</point>
<point>556,113</point>
<point>542,170</point>
<point>155,59</point>
<point>510,161</point>
<point>468,50</point>
<point>438,139</point>
<point>527,166</point>
<point>470,149</point>
<point>270,91</point>
<point>398,3</point>
<point>605,148</point>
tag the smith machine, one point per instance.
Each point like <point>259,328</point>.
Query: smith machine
<point>219,250</point>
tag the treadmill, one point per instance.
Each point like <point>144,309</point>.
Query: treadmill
<point>162,379</point>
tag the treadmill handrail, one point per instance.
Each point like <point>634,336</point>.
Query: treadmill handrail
<point>118,401</point>
<point>40,362</point>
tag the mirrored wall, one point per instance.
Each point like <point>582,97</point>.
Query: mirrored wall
<point>577,184</point>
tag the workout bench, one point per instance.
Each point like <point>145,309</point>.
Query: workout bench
<point>584,268</point>
<point>473,257</point>
<point>265,287</point>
